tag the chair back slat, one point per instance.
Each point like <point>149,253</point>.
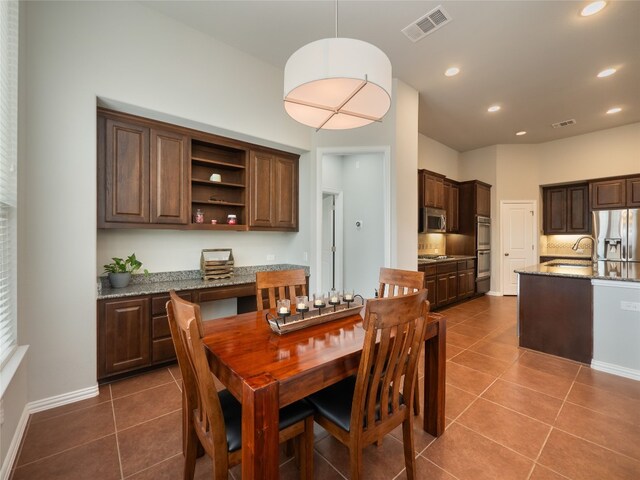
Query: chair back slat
<point>278,285</point>
<point>395,329</point>
<point>396,283</point>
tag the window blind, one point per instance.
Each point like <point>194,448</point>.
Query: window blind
<point>8,175</point>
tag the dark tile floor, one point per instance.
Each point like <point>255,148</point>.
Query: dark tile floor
<point>511,414</point>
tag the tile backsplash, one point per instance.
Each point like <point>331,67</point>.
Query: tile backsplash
<point>431,243</point>
<point>561,245</point>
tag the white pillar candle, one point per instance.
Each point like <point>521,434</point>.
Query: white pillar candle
<point>301,306</point>
<point>284,310</point>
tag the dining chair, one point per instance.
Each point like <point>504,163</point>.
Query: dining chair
<point>213,419</point>
<point>279,285</point>
<point>394,282</point>
<point>360,409</point>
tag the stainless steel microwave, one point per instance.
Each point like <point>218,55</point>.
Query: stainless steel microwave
<point>432,220</point>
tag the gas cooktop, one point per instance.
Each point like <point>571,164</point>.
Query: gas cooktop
<point>432,257</point>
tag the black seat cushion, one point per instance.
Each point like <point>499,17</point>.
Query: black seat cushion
<point>334,402</point>
<point>232,412</point>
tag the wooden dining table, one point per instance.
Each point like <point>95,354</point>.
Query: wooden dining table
<point>266,371</point>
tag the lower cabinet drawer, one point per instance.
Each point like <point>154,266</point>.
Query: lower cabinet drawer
<point>162,350</point>
<point>160,327</point>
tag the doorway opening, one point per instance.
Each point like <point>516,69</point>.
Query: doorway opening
<point>353,239</point>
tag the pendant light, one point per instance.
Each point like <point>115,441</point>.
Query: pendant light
<point>337,83</point>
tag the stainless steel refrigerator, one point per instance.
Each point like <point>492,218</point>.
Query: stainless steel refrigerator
<point>616,233</point>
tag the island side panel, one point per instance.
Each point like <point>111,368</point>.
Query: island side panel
<point>555,316</point>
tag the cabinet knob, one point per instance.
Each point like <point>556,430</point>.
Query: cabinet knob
<point>506,254</point>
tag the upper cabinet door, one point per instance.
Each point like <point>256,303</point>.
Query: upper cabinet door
<point>285,184</point>
<point>274,191</point>
<point>578,218</point>
<point>555,210</point>
<point>483,200</point>
<point>633,192</point>
<point>261,208</point>
<point>608,194</point>
<point>433,190</point>
<point>169,169</point>
<point>126,172</point>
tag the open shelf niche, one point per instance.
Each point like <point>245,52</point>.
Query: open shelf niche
<point>218,199</point>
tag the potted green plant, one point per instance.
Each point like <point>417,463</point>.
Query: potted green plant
<point>120,270</point>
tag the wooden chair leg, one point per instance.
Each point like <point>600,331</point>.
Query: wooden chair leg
<point>416,399</point>
<point>355,464</point>
<point>191,444</point>
<point>305,449</point>
<point>409,452</point>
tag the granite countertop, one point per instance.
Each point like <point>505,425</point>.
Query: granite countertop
<point>184,280</point>
<point>450,258</point>
<point>625,271</point>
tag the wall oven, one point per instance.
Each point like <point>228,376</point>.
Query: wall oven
<point>484,264</point>
<point>483,233</point>
<point>432,220</point>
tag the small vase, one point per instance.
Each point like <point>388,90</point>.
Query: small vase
<point>119,280</point>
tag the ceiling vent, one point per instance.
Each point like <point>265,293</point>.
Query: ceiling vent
<point>427,24</point>
<point>564,123</point>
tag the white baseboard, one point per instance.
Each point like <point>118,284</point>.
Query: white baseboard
<point>38,406</point>
<point>14,446</point>
<point>63,399</point>
<point>616,369</point>
<point>494,294</point>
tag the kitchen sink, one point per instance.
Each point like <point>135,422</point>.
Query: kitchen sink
<point>569,265</point>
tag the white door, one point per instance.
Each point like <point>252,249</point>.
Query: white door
<point>518,241</point>
<point>328,244</point>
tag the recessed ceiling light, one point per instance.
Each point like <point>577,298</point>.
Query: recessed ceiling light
<point>614,110</point>
<point>607,72</point>
<point>593,8</point>
<point>521,132</point>
<point>452,71</point>
<point>493,108</point>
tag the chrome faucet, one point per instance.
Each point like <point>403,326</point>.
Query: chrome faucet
<point>594,254</point>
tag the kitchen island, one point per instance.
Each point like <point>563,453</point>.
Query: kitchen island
<point>581,312</point>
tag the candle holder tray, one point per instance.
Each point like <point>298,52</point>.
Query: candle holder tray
<point>297,321</point>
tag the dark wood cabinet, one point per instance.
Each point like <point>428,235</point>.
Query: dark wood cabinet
<point>169,177</point>
<point>555,316</point>
<point>273,191</point>
<point>123,164</point>
<point>433,188</point>
<point>162,349</point>
<point>157,175</point>
<point>566,209</point>
<point>446,283</point>
<point>451,196</point>
<point>608,194</point>
<point>142,174</point>
<point>633,192</point>
<point>466,279</point>
<point>123,335</point>
<point>483,199</point>
<point>133,332</point>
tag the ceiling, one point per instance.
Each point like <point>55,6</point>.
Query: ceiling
<point>538,60</point>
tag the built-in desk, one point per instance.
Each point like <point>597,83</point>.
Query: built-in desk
<point>133,332</point>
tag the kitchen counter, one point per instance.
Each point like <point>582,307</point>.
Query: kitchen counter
<point>184,280</point>
<point>621,271</point>
<point>450,258</point>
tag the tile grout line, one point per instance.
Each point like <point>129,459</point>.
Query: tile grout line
<point>115,428</point>
<point>330,464</point>
<point>144,389</point>
<point>439,467</point>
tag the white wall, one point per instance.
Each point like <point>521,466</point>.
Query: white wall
<point>77,51</point>
<point>363,247</point>
<point>437,157</point>
<point>404,179</point>
<point>606,153</point>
